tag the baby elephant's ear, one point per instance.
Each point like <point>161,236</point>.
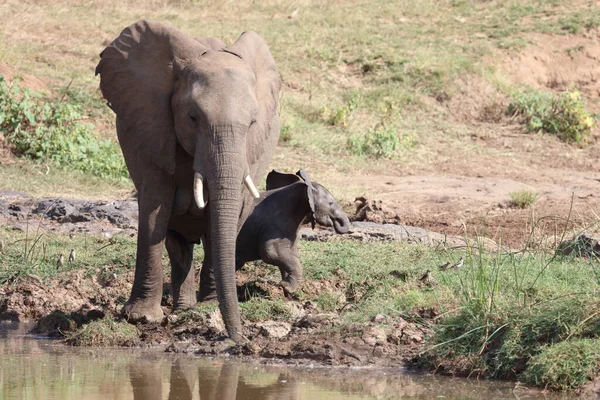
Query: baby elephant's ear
<point>278,179</point>
<point>310,189</point>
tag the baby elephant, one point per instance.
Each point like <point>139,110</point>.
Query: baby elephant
<point>271,232</point>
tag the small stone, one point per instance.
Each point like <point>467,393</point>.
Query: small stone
<point>172,318</point>
<point>274,329</point>
<point>379,319</point>
<point>215,321</point>
<point>416,338</point>
<point>373,335</point>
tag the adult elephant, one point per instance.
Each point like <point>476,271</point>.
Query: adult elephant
<point>195,120</point>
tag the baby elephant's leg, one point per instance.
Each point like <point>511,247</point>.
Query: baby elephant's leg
<point>291,271</point>
<point>281,254</point>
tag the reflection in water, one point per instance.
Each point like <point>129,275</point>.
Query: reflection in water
<point>41,369</point>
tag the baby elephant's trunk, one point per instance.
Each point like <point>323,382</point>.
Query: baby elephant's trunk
<point>341,223</point>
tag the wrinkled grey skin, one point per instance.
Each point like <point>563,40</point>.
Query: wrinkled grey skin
<point>271,231</point>
<point>182,106</point>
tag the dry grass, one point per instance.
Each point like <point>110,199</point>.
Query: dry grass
<point>403,58</point>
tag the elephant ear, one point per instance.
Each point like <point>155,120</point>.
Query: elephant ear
<point>278,179</point>
<point>310,194</point>
<point>263,134</point>
<point>137,74</point>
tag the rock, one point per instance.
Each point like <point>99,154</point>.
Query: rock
<point>584,245</point>
<point>374,335</point>
<point>274,329</point>
<point>315,320</point>
<point>214,321</point>
<point>373,211</point>
<point>379,351</point>
<point>379,319</point>
<point>296,310</point>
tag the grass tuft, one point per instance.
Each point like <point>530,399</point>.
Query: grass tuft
<point>523,198</point>
<point>104,333</point>
<point>260,309</point>
<point>565,365</point>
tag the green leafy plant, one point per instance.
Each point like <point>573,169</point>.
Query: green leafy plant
<point>523,198</point>
<point>381,141</point>
<point>285,135</point>
<point>339,115</point>
<point>51,131</point>
<point>564,114</point>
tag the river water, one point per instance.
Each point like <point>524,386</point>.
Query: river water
<point>36,368</point>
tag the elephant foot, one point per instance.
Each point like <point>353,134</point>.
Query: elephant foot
<point>139,311</point>
<point>207,294</point>
<point>183,305</point>
<point>184,301</point>
<point>289,287</point>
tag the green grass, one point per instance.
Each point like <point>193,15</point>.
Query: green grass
<point>261,309</point>
<point>48,131</point>
<point>365,89</point>
<point>36,252</point>
<point>344,65</point>
<point>565,365</point>
<point>500,314</point>
<point>105,332</point>
<point>523,198</point>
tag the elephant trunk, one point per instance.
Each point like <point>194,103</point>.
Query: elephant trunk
<point>224,177</point>
<point>225,196</point>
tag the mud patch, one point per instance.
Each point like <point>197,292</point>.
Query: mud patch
<point>85,310</point>
<point>62,215</point>
<point>311,337</point>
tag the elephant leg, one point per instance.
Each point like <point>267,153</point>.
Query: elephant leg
<point>291,273</point>
<point>181,253</point>
<point>208,288</point>
<point>155,200</point>
<point>289,265</point>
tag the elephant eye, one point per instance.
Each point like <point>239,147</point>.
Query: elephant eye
<point>192,118</point>
<point>252,122</point>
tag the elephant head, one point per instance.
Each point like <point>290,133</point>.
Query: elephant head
<point>218,104</point>
<point>324,209</point>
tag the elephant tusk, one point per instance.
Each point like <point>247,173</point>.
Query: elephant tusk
<point>250,185</point>
<point>199,191</point>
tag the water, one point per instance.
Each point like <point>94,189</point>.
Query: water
<point>34,368</point>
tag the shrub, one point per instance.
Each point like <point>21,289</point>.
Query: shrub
<point>564,114</point>
<point>381,141</point>
<point>285,135</point>
<point>339,116</point>
<point>52,131</point>
<point>523,198</point>
<point>565,365</point>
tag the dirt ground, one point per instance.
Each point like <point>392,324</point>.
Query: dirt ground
<point>309,336</point>
<point>466,176</point>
